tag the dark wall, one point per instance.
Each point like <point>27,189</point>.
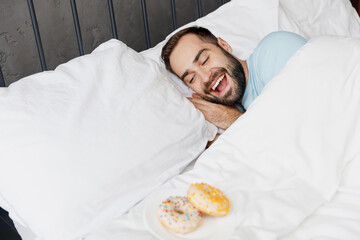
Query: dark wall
<point>356,4</point>
<point>18,54</point>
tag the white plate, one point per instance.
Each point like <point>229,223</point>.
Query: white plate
<point>211,228</point>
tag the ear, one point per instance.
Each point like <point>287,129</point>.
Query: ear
<point>224,45</point>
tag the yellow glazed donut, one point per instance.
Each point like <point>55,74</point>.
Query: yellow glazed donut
<point>208,199</point>
<point>178,215</point>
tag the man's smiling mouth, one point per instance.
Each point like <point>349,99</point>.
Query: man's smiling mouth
<point>218,81</point>
<point>219,85</point>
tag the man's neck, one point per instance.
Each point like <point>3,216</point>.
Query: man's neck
<point>246,70</point>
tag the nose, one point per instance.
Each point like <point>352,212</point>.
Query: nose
<point>205,74</point>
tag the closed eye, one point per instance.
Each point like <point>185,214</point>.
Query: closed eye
<point>205,61</point>
<point>191,80</point>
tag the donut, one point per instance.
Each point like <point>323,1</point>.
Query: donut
<point>208,199</point>
<point>179,215</point>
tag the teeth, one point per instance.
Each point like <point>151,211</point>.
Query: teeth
<point>218,81</point>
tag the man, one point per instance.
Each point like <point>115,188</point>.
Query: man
<point>219,79</point>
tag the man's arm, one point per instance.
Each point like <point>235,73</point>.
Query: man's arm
<point>220,115</point>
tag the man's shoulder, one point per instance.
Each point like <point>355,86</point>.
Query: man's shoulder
<point>277,44</point>
<point>282,38</point>
<point>281,35</point>
<point>271,55</point>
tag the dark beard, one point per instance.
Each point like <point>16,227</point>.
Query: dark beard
<point>236,72</point>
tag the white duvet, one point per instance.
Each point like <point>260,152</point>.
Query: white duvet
<point>288,165</point>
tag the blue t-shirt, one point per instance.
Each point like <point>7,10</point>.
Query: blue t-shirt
<point>267,59</point>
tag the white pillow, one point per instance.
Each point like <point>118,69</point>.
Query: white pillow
<point>84,143</point>
<point>311,18</point>
<point>242,23</point>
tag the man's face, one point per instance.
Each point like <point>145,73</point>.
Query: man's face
<point>209,70</point>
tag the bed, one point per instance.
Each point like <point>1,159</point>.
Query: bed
<point>90,149</point>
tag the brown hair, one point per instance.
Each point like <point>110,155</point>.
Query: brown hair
<point>203,33</point>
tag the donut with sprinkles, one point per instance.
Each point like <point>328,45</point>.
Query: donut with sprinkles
<point>208,199</point>
<point>179,215</point>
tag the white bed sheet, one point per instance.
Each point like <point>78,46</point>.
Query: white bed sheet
<point>340,218</point>
<point>337,219</point>
<point>290,164</point>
